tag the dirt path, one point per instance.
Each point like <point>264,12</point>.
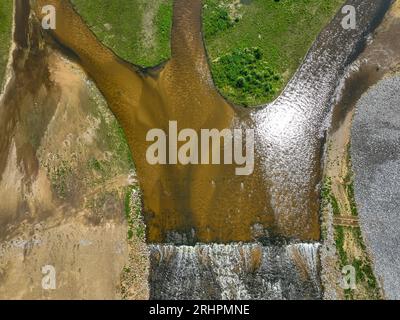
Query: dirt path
<point>148,37</point>
<point>346,222</point>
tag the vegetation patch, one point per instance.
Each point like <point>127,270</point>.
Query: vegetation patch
<point>349,186</point>
<point>6,16</point>
<point>244,76</point>
<point>282,30</point>
<point>217,17</point>
<point>347,236</point>
<point>328,197</point>
<point>366,283</point>
<point>132,284</point>
<point>133,213</point>
<point>352,201</point>
<point>61,178</point>
<point>119,25</point>
<point>163,24</point>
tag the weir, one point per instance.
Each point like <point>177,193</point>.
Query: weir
<point>235,271</point>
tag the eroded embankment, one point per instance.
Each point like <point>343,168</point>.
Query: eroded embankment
<point>63,177</point>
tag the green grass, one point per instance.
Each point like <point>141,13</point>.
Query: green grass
<point>352,200</point>
<point>217,18</point>
<point>62,179</point>
<point>283,30</point>
<point>5,35</point>
<point>119,25</point>
<point>339,241</point>
<point>362,264</point>
<point>163,23</point>
<point>327,196</point>
<point>133,213</point>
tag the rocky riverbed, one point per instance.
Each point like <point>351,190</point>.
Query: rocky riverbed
<point>376,161</point>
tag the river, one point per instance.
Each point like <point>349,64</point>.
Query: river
<point>193,213</point>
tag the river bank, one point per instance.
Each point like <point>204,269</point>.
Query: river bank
<point>7,27</point>
<point>64,173</point>
<point>344,240</point>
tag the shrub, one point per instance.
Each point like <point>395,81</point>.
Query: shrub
<point>244,76</point>
<point>217,18</point>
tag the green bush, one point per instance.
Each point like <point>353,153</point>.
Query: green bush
<point>244,76</point>
<point>216,18</point>
<point>283,30</point>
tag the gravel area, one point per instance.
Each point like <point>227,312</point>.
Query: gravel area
<point>375,153</point>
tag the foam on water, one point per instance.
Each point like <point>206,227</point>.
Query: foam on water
<point>235,271</point>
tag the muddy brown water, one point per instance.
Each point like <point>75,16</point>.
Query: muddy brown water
<point>209,203</point>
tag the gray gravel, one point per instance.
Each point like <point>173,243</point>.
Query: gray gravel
<point>376,162</point>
